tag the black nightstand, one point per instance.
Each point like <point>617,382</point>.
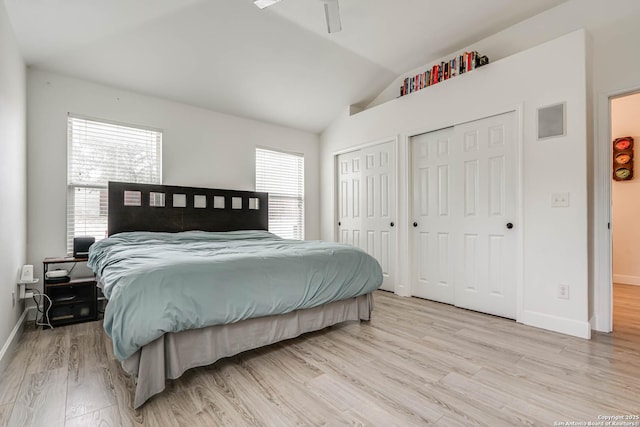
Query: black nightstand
<point>73,301</point>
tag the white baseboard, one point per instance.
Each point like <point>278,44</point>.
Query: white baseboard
<point>33,313</point>
<point>12,340</point>
<point>557,324</point>
<point>626,280</point>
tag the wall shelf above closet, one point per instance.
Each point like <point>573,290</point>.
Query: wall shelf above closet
<point>464,63</point>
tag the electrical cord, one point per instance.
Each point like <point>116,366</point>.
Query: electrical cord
<point>72,267</point>
<point>35,292</point>
<point>45,315</point>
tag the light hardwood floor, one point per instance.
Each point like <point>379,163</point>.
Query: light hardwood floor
<point>416,363</point>
<point>626,311</point>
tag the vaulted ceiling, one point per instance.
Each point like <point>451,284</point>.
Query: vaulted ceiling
<point>277,65</point>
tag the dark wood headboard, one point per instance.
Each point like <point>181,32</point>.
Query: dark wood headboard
<point>220,210</point>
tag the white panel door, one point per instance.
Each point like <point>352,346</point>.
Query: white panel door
<point>349,198</point>
<point>379,208</point>
<point>464,198</point>
<point>485,208</point>
<point>433,243</point>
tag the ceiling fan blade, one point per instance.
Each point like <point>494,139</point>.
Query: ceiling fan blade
<point>332,13</point>
<point>265,3</point>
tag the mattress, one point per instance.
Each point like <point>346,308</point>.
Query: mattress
<point>159,283</point>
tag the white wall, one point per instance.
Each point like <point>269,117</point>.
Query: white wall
<point>625,121</point>
<point>602,19</point>
<point>13,200</point>
<point>554,240</point>
<point>611,46</point>
<point>612,69</point>
<point>200,148</point>
<point>612,31</point>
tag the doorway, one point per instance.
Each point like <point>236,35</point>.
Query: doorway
<point>625,211</point>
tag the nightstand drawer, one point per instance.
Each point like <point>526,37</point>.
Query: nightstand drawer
<point>72,312</point>
<point>71,293</point>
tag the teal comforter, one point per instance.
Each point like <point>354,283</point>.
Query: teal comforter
<point>170,282</point>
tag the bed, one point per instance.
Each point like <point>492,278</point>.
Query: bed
<point>192,275</point>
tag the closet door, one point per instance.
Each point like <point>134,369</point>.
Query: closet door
<point>464,207</point>
<point>367,204</point>
<point>485,207</point>
<point>433,228</point>
<point>379,207</point>
<point>349,201</point>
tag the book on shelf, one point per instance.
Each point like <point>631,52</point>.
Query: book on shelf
<point>460,64</point>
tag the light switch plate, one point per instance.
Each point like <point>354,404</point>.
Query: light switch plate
<point>560,200</point>
<point>563,291</point>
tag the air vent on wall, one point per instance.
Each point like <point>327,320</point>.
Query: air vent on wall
<point>551,121</point>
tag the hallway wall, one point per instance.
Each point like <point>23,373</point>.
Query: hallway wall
<point>625,121</point>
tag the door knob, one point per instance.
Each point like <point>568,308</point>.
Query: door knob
<point>509,225</point>
<point>415,224</point>
<point>392,223</point>
<point>339,223</point>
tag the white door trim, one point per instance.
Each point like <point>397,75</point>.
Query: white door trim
<point>519,123</point>
<point>602,243</point>
<point>519,155</point>
<point>366,145</point>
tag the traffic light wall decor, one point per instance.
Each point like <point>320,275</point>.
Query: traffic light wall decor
<point>623,158</point>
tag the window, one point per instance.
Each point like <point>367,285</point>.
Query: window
<point>99,152</point>
<point>282,176</point>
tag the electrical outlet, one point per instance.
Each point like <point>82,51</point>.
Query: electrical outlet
<point>560,200</point>
<point>563,291</point>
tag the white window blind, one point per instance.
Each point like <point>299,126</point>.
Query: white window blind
<point>99,152</point>
<point>282,176</point>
